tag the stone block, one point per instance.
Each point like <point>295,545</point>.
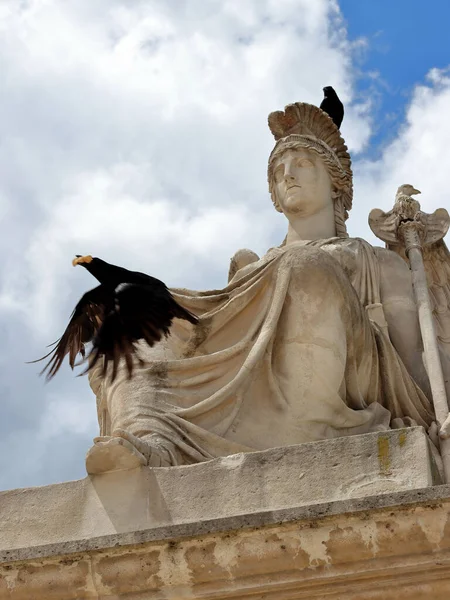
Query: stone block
<point>241,484</point>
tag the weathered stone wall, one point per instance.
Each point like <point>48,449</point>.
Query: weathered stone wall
<point>126,501</point>
<point>349,518</point>
<point>388,547</point>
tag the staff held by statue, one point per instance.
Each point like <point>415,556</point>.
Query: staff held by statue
<point>411,232</point>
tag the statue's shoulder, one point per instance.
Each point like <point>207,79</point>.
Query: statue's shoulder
<point>393,265</point>
<point>347,246</point>
<point>384,256</point>
<point>387,264</point>
<point>240,260</point>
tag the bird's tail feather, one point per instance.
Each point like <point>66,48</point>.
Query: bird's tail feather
<point>182,313</point>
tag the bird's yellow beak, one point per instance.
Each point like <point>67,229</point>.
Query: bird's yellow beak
<point>82,259</point>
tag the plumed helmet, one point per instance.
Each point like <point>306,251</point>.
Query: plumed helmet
<point>303,125</point>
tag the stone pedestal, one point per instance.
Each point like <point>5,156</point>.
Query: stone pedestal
<point>356,517</point>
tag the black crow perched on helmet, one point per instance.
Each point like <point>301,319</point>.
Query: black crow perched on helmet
<point>332,105</point>
<point>126,307</point>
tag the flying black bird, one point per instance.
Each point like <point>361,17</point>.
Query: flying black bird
<point>126,307</point>
<point>332,105</point>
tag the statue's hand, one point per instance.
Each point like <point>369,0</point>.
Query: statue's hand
<point>122,451</point>
<point>152,452</point>
<point>433,433</point>
<point>444,431</point>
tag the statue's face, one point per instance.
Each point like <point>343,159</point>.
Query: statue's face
<point>302,183</point>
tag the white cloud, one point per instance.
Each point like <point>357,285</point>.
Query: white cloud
<point>65,416</point>
<point>139,129</point>
<point>420,154</point>
<point>136,130</point>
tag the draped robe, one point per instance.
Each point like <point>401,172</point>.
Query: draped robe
<point>289,352</point>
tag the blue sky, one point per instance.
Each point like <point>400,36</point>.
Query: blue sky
<point>404,40</point>
<point>136,130</point>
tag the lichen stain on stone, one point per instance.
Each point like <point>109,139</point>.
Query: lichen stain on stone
<point>368,532</point>
<point>173,569</point>
<point>202,563</point>
<point>402,437</point>
<point>401,537</point>
<point>136,570</point>
<point>54,577</point>
<point>314,543</point>
<point>345,543</point>
<point>268,553</point>
<point>383,455</point>
<point>198,336</point>
<point>8,579</point>
<point>433,525</point>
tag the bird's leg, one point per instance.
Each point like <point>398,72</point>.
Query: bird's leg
<point>82,259</point>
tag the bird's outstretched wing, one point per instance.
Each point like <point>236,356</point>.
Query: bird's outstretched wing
<point>83,325</point>
<point>141,312</point>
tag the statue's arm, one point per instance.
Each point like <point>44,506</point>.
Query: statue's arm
<point>400,311</point>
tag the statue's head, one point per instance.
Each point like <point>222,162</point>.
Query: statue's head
<point>309,165</point>
<point>301,183</point>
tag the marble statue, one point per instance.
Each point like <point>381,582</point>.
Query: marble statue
<point>319,338</point>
